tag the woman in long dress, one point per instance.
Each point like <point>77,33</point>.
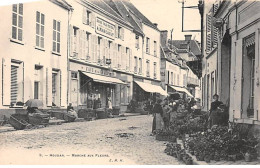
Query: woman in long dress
<point>157,113</point>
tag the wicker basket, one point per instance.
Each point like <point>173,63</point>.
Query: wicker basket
<point>39,119</point>
<point>69,118</point>
<point>17,124</point>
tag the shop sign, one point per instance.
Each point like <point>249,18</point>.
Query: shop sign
<point>105,28</point>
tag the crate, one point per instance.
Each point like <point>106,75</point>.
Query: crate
<point>18,124</point>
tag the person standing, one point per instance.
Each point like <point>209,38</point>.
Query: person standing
<point>213,112</point>
<point>166,114</point>
<point>158,114</point>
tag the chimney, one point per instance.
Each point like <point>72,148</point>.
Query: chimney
<point>163,36</point>
<point>188,37</point>
<point>155,24</point>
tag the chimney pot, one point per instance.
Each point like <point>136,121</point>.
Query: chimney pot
<point>188,37</point>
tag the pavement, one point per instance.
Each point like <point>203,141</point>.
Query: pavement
<point>114,141</point>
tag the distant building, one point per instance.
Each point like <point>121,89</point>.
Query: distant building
<point>188,52</point>
<point>174,71</point>
<point>33,54</point>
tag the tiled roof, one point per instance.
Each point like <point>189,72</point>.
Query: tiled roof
<point>138,14</point>
<point>106,7</point>
<point>194,46</point>
<point>62,3</point>
<point>120,7</point>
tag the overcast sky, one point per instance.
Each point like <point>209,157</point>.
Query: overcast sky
<point>168,15</point>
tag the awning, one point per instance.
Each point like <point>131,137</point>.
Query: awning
<point>180,89</point>
<point>151,88</point>
<point>103,79</point>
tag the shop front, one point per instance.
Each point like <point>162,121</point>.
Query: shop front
<point>181,90</point>
<point>144,91</point>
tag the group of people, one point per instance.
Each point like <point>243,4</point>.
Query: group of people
<point>165,111</point>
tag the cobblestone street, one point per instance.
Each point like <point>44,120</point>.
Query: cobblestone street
<point>124,140</point>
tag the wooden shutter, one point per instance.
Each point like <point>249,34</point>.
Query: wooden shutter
<point>122,33</point>
<point>116,31</point>
<point>6,66</point>
<point>83,45</point>
<point>130,59</point>
<point>93,19</point>
<point>84,16</point>
<point>63,89</point>
<point>91,47</point>
<point>208,33</point>
<point>238,76</point>
<point>79,44</point>
<point>71,40</point>
<point>101,50</point>
<point>49,86</point>
<point>95,48</point>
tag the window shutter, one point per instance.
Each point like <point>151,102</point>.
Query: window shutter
<point>49,86</point>
<point>130,59</point>
<point>71,40</point>
<point>63,90</point>
<point>84,45</point>
<point>84,16</point>
<point>238,75</point>
<point>93,20</point>
<point>95,48</point>
<point>122,33</point>
<point>91,47</point>
<point>116,31</point>
<point>6,64</point>
<point>115,55</point>
<point>208,33</point>
<point>123,58</point>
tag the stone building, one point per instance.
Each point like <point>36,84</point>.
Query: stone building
<point>33,54</point>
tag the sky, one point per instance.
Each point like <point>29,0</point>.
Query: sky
<point>168,15</point>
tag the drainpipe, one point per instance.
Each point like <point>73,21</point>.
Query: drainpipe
<point>68,51</point>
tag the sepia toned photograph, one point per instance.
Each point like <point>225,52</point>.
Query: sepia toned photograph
<point>130,82</point>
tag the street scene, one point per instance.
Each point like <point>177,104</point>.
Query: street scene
<point>112,82</point>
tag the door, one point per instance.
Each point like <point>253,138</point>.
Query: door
<point>73,92</point>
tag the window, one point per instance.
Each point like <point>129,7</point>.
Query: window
<point>174,79</point>
<point>17,22</point>
<point>171,77</point>
<point>87,45</point>
<point>147,68</point>
<point>184,80</point>
<point>99,49</point>
<point>54,88</point>
<point>127,58</point>
<point>74,75</point>
<point>56,36</point>
<point>40,29</point>
<point>155,48</point>
<point>120,33</point>
<point>137,42</point>
<point>147,45</point>
<point>14,83</point>
<point>36,90</point>
<point>140,65</point>
<point>119,56</point>
<point>154,70</point>
<point>88,18</point>
<point>75,40</point>
<point>136,64</point>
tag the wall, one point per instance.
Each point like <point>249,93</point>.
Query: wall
<point>29,55</point>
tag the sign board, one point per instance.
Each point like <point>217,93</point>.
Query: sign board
<point>105,28</point>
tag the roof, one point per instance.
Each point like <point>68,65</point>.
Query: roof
<point>138,14</point>
<point>106,7</point>
<point>63,4</point>
<point>119,7</point>
<point>194,46</point>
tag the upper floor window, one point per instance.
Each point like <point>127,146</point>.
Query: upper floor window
<point>147,45</point>
<point>147,68</point>
<point>154,70</point>
<point>120,33</point>
<point>137,42</point>
<point>140,65</point>
<point>171,77</point>
<point>56,36</point>
<point>136,64</point>
<point>88,17</point>
<point>155,48</point>
<point>17,22</point>
<point>40,19</point>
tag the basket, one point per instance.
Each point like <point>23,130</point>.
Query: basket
<point>17,124</point>
<point>39,119</point>
<point>101,113</point>
<point>69,118</point>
